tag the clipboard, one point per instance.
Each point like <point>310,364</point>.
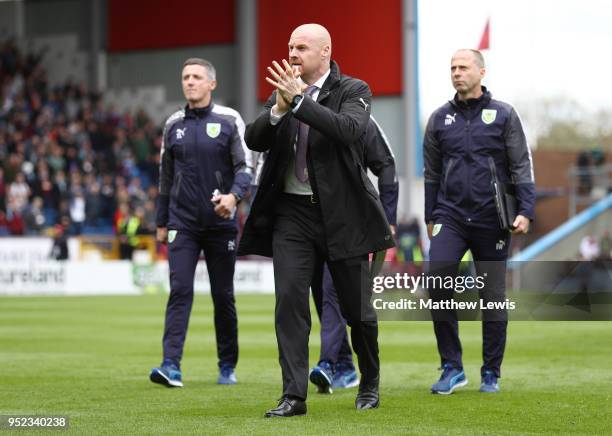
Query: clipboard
<point>505,202</point>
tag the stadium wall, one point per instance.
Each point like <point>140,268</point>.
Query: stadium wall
<point>69,17</point>
<point>378,61</point>
<point>25,269</point>
<point>57,278</point>
<point>162,67</point>
<point>8,24</point>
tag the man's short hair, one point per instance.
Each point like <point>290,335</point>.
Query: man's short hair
<point>478,58</point>
<point>210,68</point>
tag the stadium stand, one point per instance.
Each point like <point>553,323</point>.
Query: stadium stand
<point>66,159</point>
<point>69,158</point>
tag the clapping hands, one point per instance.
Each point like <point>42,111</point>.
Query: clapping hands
<point>287,82</point>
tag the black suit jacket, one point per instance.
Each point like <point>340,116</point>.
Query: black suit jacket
<point>354,220</point>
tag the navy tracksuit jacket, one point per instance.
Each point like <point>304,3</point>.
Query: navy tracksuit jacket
<point>202,150</point>
<point>461,141</point>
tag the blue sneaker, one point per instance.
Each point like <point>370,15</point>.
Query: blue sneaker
<point>489,382</point>
<point>322,376</point>
<point>168,374</point>
<point>226,376</point>
<point>451,379</point>
<point>344,377</point>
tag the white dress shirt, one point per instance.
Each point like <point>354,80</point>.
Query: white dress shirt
<point>292,184</point>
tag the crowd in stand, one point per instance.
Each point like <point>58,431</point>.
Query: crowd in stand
<point>66,159</point>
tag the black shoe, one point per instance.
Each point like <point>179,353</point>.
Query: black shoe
<point>287,407</point>
<point>367,397</point>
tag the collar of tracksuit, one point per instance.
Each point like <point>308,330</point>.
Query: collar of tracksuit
<point>198,112</point>
<point>472,103</point>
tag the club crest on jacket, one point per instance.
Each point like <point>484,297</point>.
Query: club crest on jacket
<point>488,115</point>
<point>213,129</point>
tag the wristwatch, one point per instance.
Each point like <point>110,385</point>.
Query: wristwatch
<point>296,100</point>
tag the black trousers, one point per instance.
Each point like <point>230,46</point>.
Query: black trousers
<point>299,251</point>
<point>220,255</point>
<point>489,248</point>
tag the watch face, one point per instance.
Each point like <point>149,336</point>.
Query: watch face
<point>296,100</point>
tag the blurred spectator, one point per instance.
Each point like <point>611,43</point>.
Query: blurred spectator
<point>107,199</point>
<point>49,194</point>
<point>4,230</point>
<point>142,229</point>
<point>121,215</point>
<point>585,181</point>
<point>56,159</point>
<point>605,244</point>
<point>129,230</point>
<point>76,183</point>
<point>14,219</point>
<point>13,166</point>
<point>18,193</point>
<point>34,218</point>
<point>409,241</point>
<point>2,191</point>
<point>123,231</point>
<point>140,146</point>
<point>137,194</point>
<point>77,213</point>
<point>598,158</point>
<point>61,183</point>
<point>589,249</point>
<point>59,250</point>
<point>63,213</point>
<point>600,175</point>
<point>152,193</point>
<point>148,221</point>
<point>93,204</point>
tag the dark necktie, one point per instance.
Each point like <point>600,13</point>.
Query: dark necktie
<point>301,147</point>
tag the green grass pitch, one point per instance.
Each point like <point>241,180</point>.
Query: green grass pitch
<point>89,358</point>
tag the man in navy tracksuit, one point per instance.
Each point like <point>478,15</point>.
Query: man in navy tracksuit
<point>204,172</point>
<point>335,368</point>
<point>464,140</point>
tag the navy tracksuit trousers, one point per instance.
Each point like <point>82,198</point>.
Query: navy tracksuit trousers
<point>219,248</point>
<point>486,244</point>
<point>335,347</point>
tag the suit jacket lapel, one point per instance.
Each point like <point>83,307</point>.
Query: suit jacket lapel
<point>323,94</point>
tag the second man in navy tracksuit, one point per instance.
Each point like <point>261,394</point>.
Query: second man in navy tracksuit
<point>335,368</point>
<point>204,172</point>
<point>468,141</point>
